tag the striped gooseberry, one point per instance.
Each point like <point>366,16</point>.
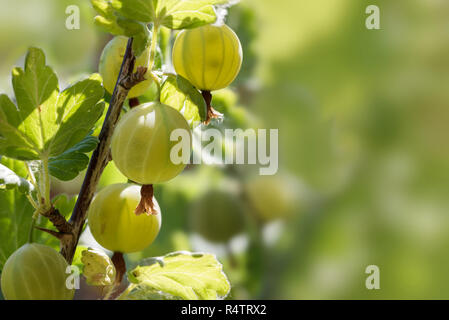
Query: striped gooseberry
<point>141,145</point>
<point>111,62</point>
<point>35,272</point>
<point>210,57</point>
<point>114,224</point>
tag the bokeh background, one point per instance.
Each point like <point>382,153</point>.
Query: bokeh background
<point>363,144</point>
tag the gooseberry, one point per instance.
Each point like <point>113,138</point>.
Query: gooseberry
<point>217,216</point>
<point>271,197</point>
<point>141,145</point>
<point>114,224</point>
<point>35,272</point>
<point>111,62</point>
<point>210,57</point>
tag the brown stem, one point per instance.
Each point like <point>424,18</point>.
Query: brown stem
<point>126,80</point>
<point>120,267</point>
<point>58,220</point>
<point>146,204</point>
<point>211,112</point>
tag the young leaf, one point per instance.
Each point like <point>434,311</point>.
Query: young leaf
<point>173,14</point>
<point>10,179</point>
<point>68,165</point>
<point>15,221</point>
<point>110,21</point>
<point>107,18</point>
<point>187,14</point>
<point>182,275</point>
<point>45,122</point>
<point>178,93</point>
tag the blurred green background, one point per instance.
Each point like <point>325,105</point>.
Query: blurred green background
<point>363,129</point>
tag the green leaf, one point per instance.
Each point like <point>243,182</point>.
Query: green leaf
<point>111,21</point>
<point>187,14</point>
<point>15,221</point>
<point>68,165</point>
<point>107,18</point>
<point>173,14</point>
<point>178,93</point>
<point>64,204</point>
<point>180,275</point>
<point>10,179</point>
<point>139,31</point>
<point>140,10</point>
<point>45,122</point>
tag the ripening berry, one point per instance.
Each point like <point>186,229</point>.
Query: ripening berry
<point>111,62</point>
<point>141,146</point>
<point>114,224</point>
<point>209,57</point>
<point>271,197</point>
<point>35,272</point>
<point>217,216</point>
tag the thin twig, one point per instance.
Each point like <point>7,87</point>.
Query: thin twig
<point>126,80</point>
<point>58,220</point>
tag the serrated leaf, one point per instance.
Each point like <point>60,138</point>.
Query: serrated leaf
<point>10,179</point>
<point>178,93</point>
<point>45,122</point>
<point>182,275</point>
<point>79,115</point>
<point>173,14</point>
<point>68,165</point>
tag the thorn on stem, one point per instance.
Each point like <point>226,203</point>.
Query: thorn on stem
<point>56,234</point>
